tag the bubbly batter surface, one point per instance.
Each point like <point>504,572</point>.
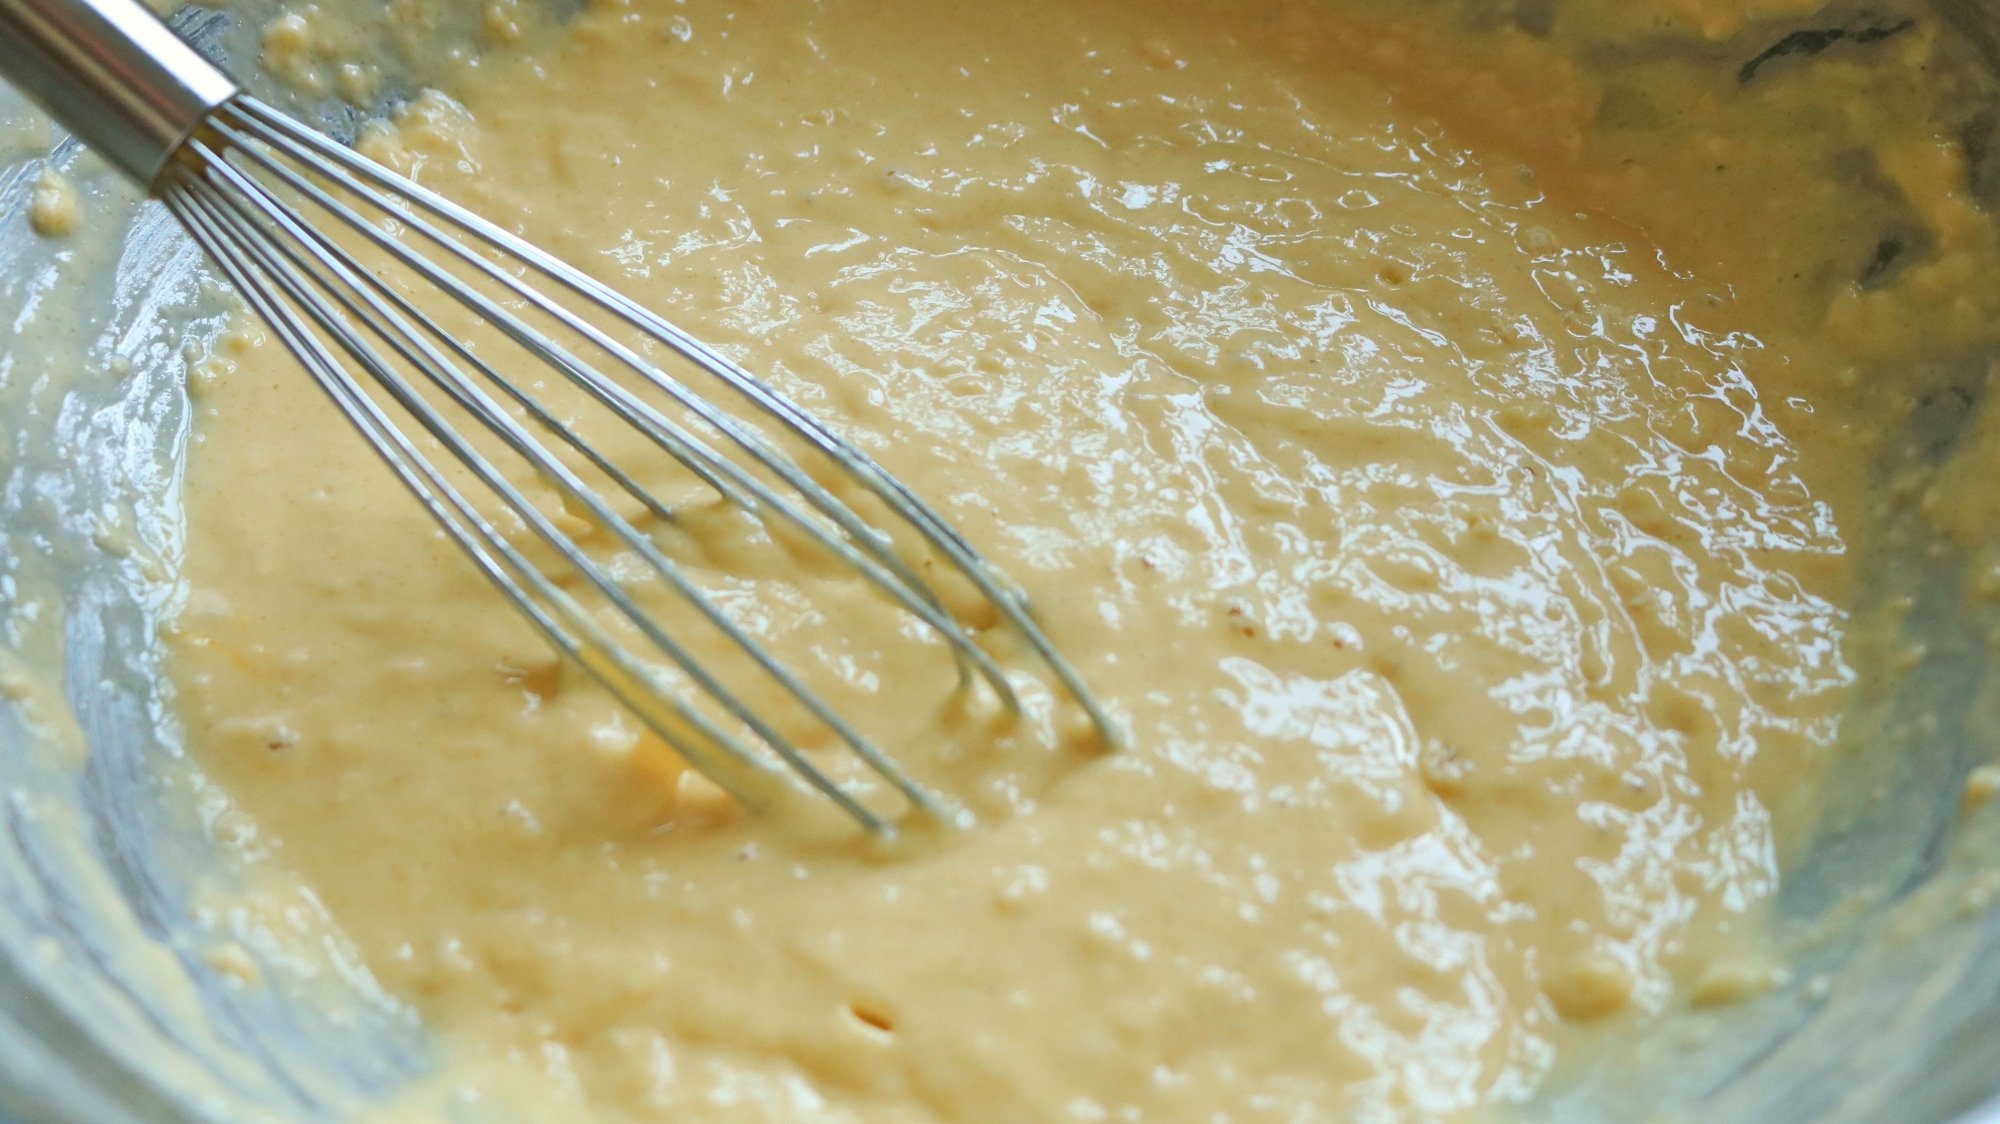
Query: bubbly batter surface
<point>1449,558</point>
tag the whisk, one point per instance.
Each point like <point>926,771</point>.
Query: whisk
<point>263,196</point>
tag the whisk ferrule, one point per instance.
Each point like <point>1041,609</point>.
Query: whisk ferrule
<point>113,74</point>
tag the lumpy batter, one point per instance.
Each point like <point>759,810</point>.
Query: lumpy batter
<point>1450,561</point>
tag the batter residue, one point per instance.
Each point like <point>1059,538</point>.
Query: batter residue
<point>1450,558</point>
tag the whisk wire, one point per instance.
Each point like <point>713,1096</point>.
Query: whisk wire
<point>299,277</point>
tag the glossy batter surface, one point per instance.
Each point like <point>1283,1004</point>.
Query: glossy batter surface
<point>1449,559</point>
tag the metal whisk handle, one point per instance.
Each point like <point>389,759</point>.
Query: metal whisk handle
<point>113,74</point>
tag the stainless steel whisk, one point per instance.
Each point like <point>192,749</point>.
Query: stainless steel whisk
<point>246,182</point>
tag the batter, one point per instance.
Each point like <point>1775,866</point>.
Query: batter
<point>1466,579</point>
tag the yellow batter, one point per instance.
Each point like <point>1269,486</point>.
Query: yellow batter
<point>1460,572</point>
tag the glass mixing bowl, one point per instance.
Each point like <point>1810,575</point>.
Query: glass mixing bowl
<point>111,1012</point>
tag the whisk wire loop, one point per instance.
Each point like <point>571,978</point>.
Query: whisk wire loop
<point>238,187</point>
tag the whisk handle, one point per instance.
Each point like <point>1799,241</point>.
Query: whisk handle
<point>113,74</point>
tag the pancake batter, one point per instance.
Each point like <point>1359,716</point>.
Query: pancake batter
<point>1452,562</point>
